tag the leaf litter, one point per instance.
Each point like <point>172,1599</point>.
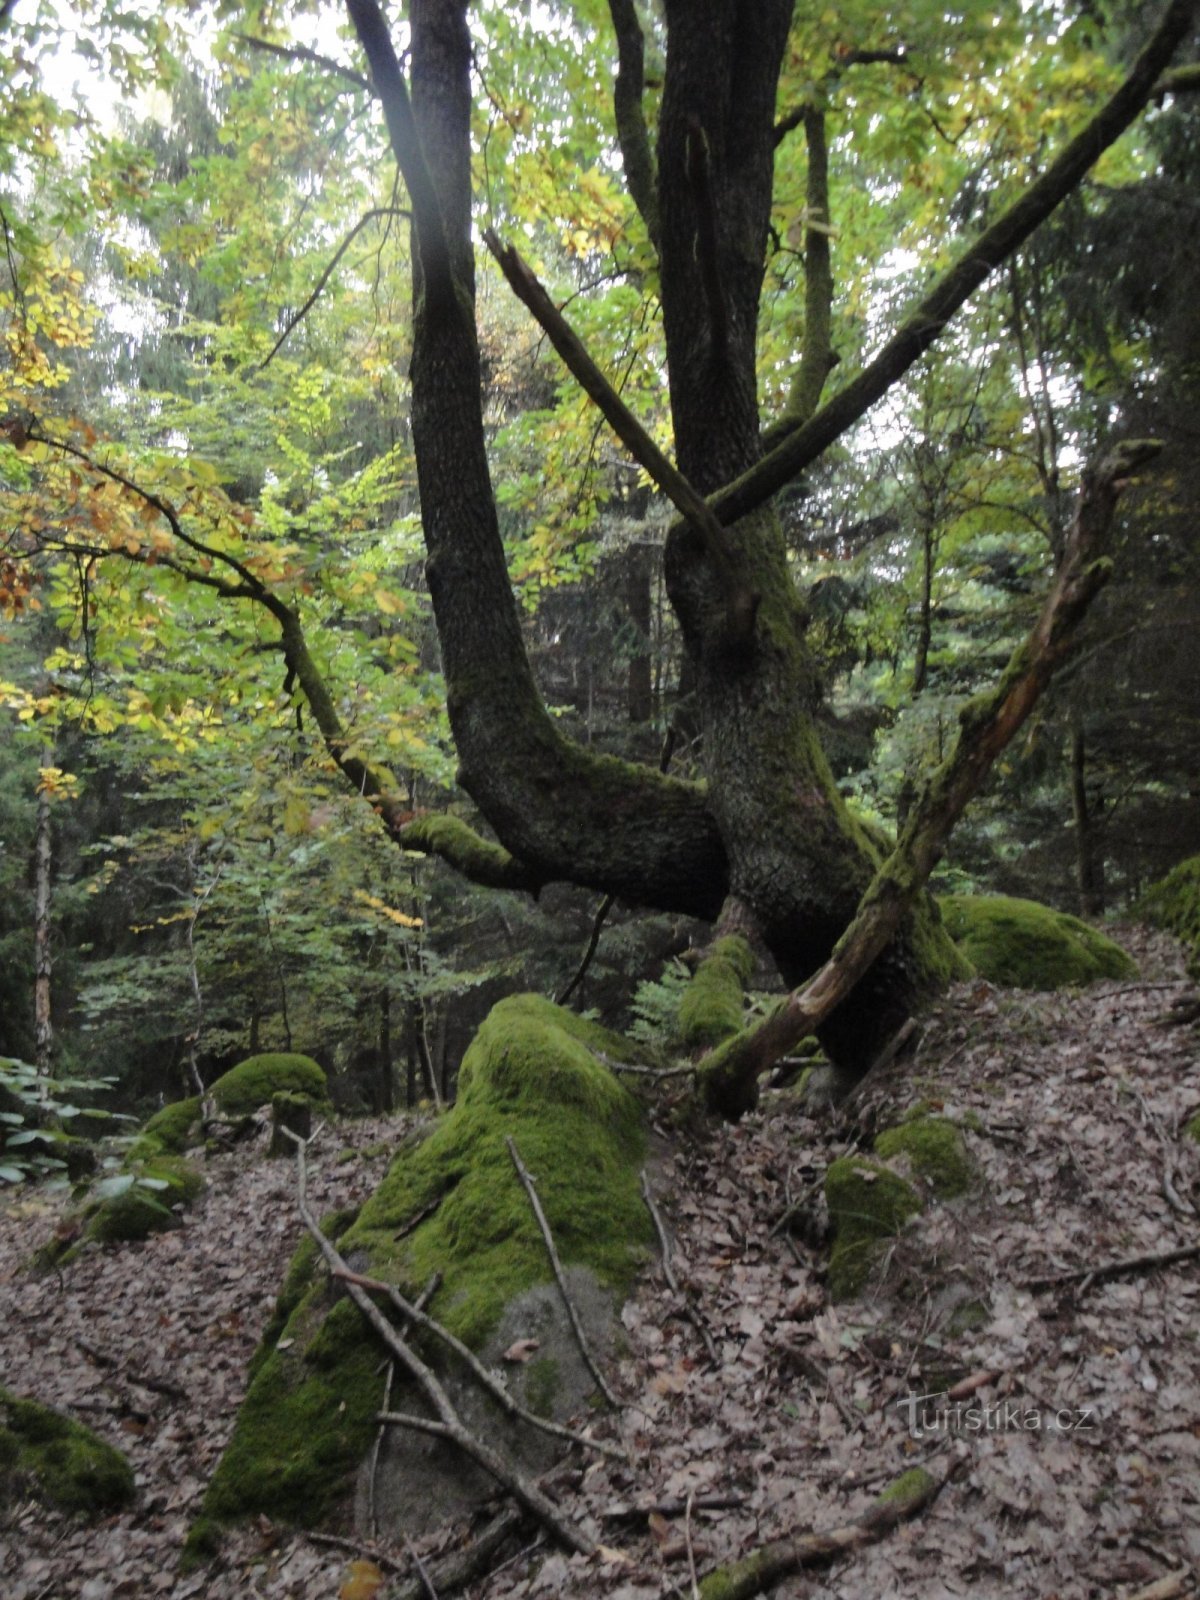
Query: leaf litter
<point>1081,1468</point>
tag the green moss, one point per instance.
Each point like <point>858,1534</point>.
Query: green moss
<point>909,1489</point>
<point>1192,1129</point>
<point>935,1150</point>
<point>541,1386</point>
<point>1023,945</point>
<point>173,1128</point>
<point>256,1081</point>
<point>1173,903</point>
<point>714,1001</point>
<point>530,1073</point>
<point>146,1208</point>
<point>47,1455</point>
<point>868,1204</point>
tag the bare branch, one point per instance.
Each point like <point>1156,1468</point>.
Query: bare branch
<point>300,52</point>
<point>924,324</point>
<point>629,430</point>
<point>987,724</point>
<point>560,1277</point>
<point>293,321</point>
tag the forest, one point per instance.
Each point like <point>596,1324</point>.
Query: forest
<point>599,798</point>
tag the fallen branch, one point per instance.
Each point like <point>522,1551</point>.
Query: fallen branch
<point>910,1495</point>
<point>448,1423</point>
<point>560,1276</point>
<point>450,1573</point>
<point>664,1245</point>
<point>1115,1269</point>
<point>673,1507</point>
<point>415,1312</point>
<point>988,723</point>
<point>427,1582</point>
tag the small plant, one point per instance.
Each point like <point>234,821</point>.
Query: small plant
<point>656,1006</point>
<point>35,1116</point>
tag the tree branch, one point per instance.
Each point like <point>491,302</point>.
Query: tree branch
<point>300,52</point>
<point>924,324</point>
<point>372,30</point>
<point>293,321</point>
<point>729,1073</point>
<point>632,134</point>
<point>816,357</point>
<point>625,425</point>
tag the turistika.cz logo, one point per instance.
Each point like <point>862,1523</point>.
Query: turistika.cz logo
<point>938,1414</point>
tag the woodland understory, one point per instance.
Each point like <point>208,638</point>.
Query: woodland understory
<point>1073,1107</point>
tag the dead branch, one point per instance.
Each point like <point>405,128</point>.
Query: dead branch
<point>357,1548</point>
<point>729,1073</point>
<point>664,1245</point>
<point>686,500</point>
<point>448,1422</point>
<point>602,911</point>
<point>1115,1269</point>
<point>415,1313</point>
<point>422,1571</point>
<point>300,52</point>
<point>560,1277</point>
<point>741,1580</point>
<point>672,1507</point>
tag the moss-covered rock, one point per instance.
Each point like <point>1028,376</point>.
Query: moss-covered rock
<point>935,1152</point>
<point>1173,903</point>
<point>256,1081</point>
<point>170,1131</point>
<point>714,1001</point>
<point>148,1205</point>
<point>48,1456</point>
<point>1021,944</point>
<point>868,1205</point>
<point>531,1074</point>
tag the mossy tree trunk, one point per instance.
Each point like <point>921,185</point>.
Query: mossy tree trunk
<point>770,829</point>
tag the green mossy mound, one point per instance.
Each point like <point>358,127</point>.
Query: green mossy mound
<point>868,1205</point>
<point>1173,903</point>
<point>46,1455</point>
<point>147,1206</point>
<point>256,1081</point>
<point>713,1003</point>
<point>530,1074</point>
<point>934,1150</point>
<point>1021,944</point>
<point>1192,1128</point>
<point>172,1130</point>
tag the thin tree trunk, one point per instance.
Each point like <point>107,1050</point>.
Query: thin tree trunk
<point>43,1026</point>
<point>638,601</point>
<point>925,619</point>
<point>387,1086</point>
<point>1089,862</point>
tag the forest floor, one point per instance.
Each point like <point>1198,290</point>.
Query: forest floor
<point>1083,1479</point>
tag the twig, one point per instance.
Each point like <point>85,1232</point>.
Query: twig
<point>422,1572</point>
<point>602,911</point>
<point>687,1539</point>
<point>449,1423</point>
<point>1115,1269</point>
<point>355,1547</point>
<point>373,1468</point>
<point>674,1507</point>
<point>664,1245</point>
<point>491,1385</point>
<point>560,1276</point>
<point>1166,1588</point>
<point>643,1072</point>
<point>414,1222</point>
<point>299,52</point>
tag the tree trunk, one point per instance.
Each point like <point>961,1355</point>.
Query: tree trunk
<point>640,683</point>
<point>43,1026</point>
<point>1089,860</point>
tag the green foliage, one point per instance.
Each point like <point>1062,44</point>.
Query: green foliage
<point>52,1458</point>
<point>1023,945</point>
<point>655,1006</point>
<point>33,1110</point>
<point>1174,904</point>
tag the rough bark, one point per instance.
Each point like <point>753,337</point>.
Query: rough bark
<point>43,1027</point>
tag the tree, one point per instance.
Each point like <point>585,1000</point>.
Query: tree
<point>770,834</point>
<point>767,843</point>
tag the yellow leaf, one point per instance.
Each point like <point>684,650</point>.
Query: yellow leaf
<point>364,1582</point>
